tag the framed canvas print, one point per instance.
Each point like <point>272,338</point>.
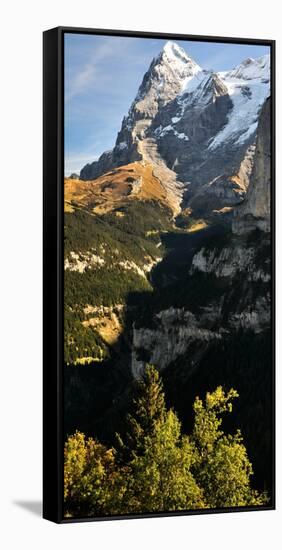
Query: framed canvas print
<point>159,390</point>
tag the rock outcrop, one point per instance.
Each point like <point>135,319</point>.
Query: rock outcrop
<point>178,330</point>
<point>254,213</point>
<point>238,275</point>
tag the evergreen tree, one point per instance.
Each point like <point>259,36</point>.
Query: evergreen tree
<point>148,407</point>
<point>159,459</point>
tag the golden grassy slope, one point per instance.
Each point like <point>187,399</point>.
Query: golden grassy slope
<point>132,181</point>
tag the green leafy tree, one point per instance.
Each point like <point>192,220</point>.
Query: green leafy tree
<point>222,467</point>
<point>90,477</point>
<point>160,479</point>
<point>156,467</point>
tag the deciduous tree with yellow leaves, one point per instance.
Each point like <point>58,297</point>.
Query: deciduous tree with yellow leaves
<point>157,468</point>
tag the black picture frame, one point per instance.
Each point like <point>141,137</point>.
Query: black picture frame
<point>53,283</point>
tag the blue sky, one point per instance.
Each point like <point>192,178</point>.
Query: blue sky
<point>102,76</point>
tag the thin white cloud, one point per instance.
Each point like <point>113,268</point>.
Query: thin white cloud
<point>81,81</point>
<point>88,75</point>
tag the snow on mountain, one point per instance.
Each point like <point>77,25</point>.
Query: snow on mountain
<point>175,57</point>
<point>167,76</point>
<point>264,63</point>
<point>194,81</point>
<point>248,86</point>
<point>173,52</point>
<point>251,69</point>
<point>161,132</point>
<point>193,125</point>
<point>202,88</point>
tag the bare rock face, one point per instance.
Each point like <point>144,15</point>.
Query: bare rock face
<point>229,188</point>
<point>197,128</point>
<point>95,169</point>
<point>232,261</point>
<point>162,82</point>
<point>178,330</point>
<point>241,269</point>
<point>254,213</point>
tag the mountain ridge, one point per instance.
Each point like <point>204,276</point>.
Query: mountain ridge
<point>199,123</point>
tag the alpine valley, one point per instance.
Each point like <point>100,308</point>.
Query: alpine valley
<point>168,252</point>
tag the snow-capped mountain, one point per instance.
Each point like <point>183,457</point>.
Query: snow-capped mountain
<point>248,87</point>
<point>168,75</point>
<point>196,127</point>
<point>251,69</point>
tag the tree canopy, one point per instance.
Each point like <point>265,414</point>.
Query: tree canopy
<point>156,467</point>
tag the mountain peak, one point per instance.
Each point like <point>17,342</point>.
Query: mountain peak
<point>248,61</point>
<point>171,49</point>
<point>166,77</point>
<point>181,113</point>
<point>173,54</point>
<point>251,68</point>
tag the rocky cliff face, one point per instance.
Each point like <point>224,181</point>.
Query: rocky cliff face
<point>238,268</point>
<point>238,278</point>
<point>178,331</point>
<point>162,82</point>
<point>238,275</point>
<point>196,127</point>
<point>255,210</point>
<point>165,78</point>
